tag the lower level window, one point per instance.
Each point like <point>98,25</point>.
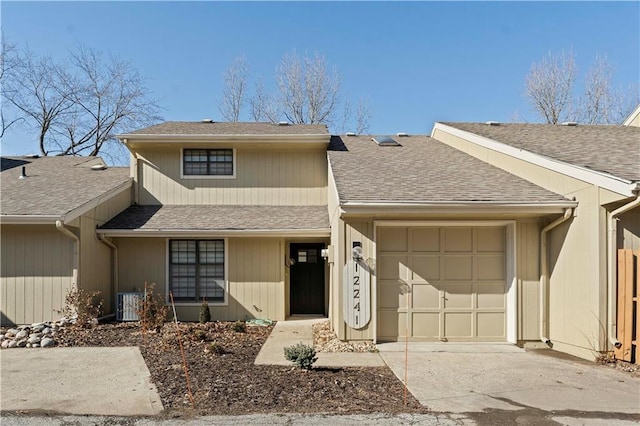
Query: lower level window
<point>196,270</point>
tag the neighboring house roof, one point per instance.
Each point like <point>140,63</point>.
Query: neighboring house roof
<point>222,218</point>
<point>203,128</point>
<point>633,119</point>
<point>612,150</point>
<point>424,170</point>
<point>55,187</point>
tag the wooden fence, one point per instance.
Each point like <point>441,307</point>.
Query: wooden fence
<point>628,306</point>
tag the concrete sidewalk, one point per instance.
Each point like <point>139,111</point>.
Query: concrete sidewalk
<point>288,333</point>
<point>99,381</point>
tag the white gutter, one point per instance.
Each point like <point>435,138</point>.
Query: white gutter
<point>20,219</point>
<point>611,264</point>
<point>379,207</point>
<point>544,272</point>
<point>76,250</point>
<point>241,138</point>
<point>221,233</point>
<point>114,280</point>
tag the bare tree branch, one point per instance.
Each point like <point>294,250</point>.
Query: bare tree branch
<point>8,62</point>
<point>549,86</point>
<point>363,116</point>
<point>263,105</point>
<point>235,87</point>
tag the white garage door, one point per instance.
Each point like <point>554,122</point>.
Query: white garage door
<point>440,283</point>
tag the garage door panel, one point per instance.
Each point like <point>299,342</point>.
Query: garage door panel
<point>390,295</point>
<point>425,268</point>
<point>458,295</point>
<point>458,239</point>
<point>388,324</point>
<point>490,324</point>
<point>490,267</point>
<point>394,267</point>
<point>490,295</point>
<point>425,240</point>
<point>458,268</point>
<point>458,324</point>
<point>393,239</point>
<point>426,324</point>
<point>425,296</point>
<point>491,239</point>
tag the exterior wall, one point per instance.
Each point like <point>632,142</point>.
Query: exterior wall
<point>263,177</point>
<point>528,276</point>
<point>629,229</point>
<point>578,275</point>
<point>336,261</point>
<point>256,282</point>
<point>96,267</point>
<point>35,274</point>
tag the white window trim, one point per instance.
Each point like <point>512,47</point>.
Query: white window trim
<point>232,176</point>
<point>511,279</point>
<point>226,272</point>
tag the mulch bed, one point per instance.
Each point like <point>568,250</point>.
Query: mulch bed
<point>229,383</point>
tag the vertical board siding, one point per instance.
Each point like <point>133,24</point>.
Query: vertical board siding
<point>255,276</point>
<point>528,276</point>
<point>263,177</point>
<point>629,229</point>
<point>35,274</point>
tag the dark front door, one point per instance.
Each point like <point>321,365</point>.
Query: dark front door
<point>307,279</point>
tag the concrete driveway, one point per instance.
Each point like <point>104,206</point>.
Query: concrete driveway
<point>101,381</point>
<point>466,378</point>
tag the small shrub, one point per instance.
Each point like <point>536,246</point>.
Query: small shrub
<point>240,327</point>
<point>85,306</point>
<point>302,355</point>
<point>215,348</point>
<point>205,314</point>
<point>199,334</point>
<point>152,310</point>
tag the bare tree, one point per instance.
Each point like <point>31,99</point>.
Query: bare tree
<point>596,103</point>
<point>8,62</point>
<point>235,87</point>
<point>36,91</point>
<point>110,97</point>
<point>308,91</point>
<point>549,86</point>
<point>363,116</point>
<point>263,105</point>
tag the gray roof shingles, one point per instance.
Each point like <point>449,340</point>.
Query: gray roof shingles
<point>609,149</point>
<point>199,128</point>
<point>220,218</point>
<point>423,170</point>
<point>54,185</point>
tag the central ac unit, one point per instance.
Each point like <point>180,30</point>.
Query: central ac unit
<point>127,309</point>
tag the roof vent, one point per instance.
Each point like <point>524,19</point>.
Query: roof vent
<point>351,133</point>
<point>207,120</point>
<point>385,141</point>
<point>32,156</point>
<point>23,174</point>
<point>402,134</point>
<point>99,167</point>
<point>492,123</point>
<point>283,123</point>
<point>570,123</point>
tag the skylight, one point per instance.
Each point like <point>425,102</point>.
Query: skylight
<point>385,141</point>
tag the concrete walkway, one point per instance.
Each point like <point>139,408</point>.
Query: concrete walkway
<point>99,381</point>
<point>288,333</point>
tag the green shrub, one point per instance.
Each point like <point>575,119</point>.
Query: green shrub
<point>215,348</point>
<point>240,327</point>
<point>199,334</point>
<point>302,355</point>
<point>205,314</point>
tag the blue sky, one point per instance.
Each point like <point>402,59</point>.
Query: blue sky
<point>417,62</point>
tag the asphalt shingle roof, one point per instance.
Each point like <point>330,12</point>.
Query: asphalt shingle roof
<point>423,170</point>
<point>609,149</point>
<point>220,217</point>
<point>54,185</point>
<point>194,128</point>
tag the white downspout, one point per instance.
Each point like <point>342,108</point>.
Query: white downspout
<point>76,250</point>
<point>611,264</point>
<point>544,272</point>
<point>114,272</point>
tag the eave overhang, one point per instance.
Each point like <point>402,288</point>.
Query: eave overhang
<point>285,139</point>
<point>215,233</point>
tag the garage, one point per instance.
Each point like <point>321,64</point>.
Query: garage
<point>442,283</point>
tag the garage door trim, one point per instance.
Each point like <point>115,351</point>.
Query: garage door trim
<point>511,283</point>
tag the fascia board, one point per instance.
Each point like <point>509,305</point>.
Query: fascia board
<point>236,233</point>
<point>457,208</point>
<point>28,219</point>
<point>612,183</point>
<point>239,138</point>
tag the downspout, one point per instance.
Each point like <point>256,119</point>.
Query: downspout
<point>114,272</point>
<point>544,272</point>
<point>611,264</point>
<point>60,226</point>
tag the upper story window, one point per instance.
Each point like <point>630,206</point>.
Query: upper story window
<point>208,162</point>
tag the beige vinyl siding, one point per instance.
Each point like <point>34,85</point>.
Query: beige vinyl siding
<point>255,276</point>
<point>336,263</point>
<point>629,229</point>
<point>263,177</point>
<point>577,296</point>
<point>528,276</point>
<point>35,274</point>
